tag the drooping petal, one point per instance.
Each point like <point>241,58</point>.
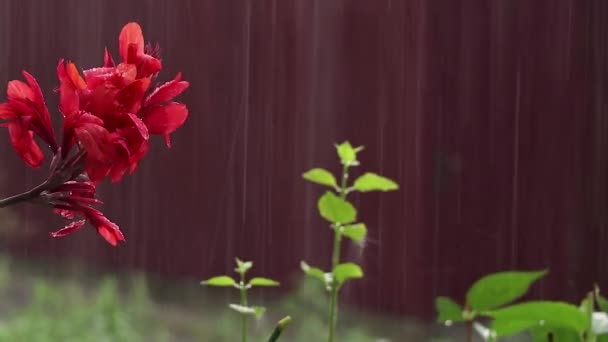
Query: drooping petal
<point>24,144</point>
<point>69,229</point>
<point>167,91</point>
<point>166,119</point>
<point>130,35</point>
<point>138,156</point>
<point>106,228</point>
<point>42,113</point>
<point>121,160</point>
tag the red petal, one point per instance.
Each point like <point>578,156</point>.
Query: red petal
<point>121,161</point>
<point>65,213</point>
<point>23,142</point>
<point>138,155</point>
<point>43,115</point>
<point>69,229</point>
<point>69,101</point>
<point>96,141</point>
<point>106,228</point>
<point>167,91</point>
<point>108,61</point>
<point>148,66</point>
<point>166,119</point>
<point>130,35</point>
<point>6,112</point>
<point>129,98</point>
<point>19,90</point>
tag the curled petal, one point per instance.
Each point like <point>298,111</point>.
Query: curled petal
<point>24,144</point>
<point>167,91</point>
<point>65,213</point>
<point>69,229</point>
<point>130,36</point>
<point>148,66</point>
<point>166,119</point>
<point>43,117</point>
<point>106,228</point>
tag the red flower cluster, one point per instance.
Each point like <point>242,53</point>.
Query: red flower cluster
<point>109,114</point>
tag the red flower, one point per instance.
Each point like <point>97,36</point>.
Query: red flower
<point>74,199</point>
<point>109,114</point>
<point>26,114</point>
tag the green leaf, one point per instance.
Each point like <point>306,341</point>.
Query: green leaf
<point>602,302</point>
<point>346,271</point>
<point>556,314</point>
<point>373,182</point>
<point>315,272</point>
<point>263,282</point>
<point>348,154</point>
<point>259,311</point>
<point>336,210</point>
<point>219,281</point>
<point>355,232</point>
<point>321,176</point>
<point>243,266</point>
<point>244,310</point>
<point>497,289</point>
<point>508,327</point>
<point>449,311</point>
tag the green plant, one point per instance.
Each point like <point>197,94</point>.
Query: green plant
<point>243,307</point>
<point>342,216</point>
<point>493,295</point>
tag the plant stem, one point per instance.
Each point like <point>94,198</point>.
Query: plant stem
<point>283,323</point>
<point>23,197</point>
<point>335,261</point>
<point>243,303</point>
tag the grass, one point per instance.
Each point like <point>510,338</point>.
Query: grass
<point>67,303</point>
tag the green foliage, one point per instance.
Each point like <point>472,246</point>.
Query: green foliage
<point>223,280</point>
<point>498,289</point>
<point>492,296</point>
<point>243,308</point>
<point>336,210</point>
<point>373,182</point>
<point>65,312</point>
<point>346,271</point>
<point>356,232</point>
<point>321,176</point>
<point>449,311</point>
<point>258,281</point>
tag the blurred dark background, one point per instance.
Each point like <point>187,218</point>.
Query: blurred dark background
<point>491,115</point>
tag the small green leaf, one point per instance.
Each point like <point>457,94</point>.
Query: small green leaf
<point>449,311</point>
<point>219,281</point>
<point>336,210</point>
<point>244,310</point>
<point>243,266</point>
<point>555,314</point>
<point>497,289</point>
<point>373,182</point>
<point>346,271</point>
<point>348,154</point>
<point>355,232</point>
<point>259,311</point>
<point>314,272</point>
<point>321,176</point>
<point>263,282</point>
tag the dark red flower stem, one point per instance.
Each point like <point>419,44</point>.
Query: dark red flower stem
<point>24,197</point>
